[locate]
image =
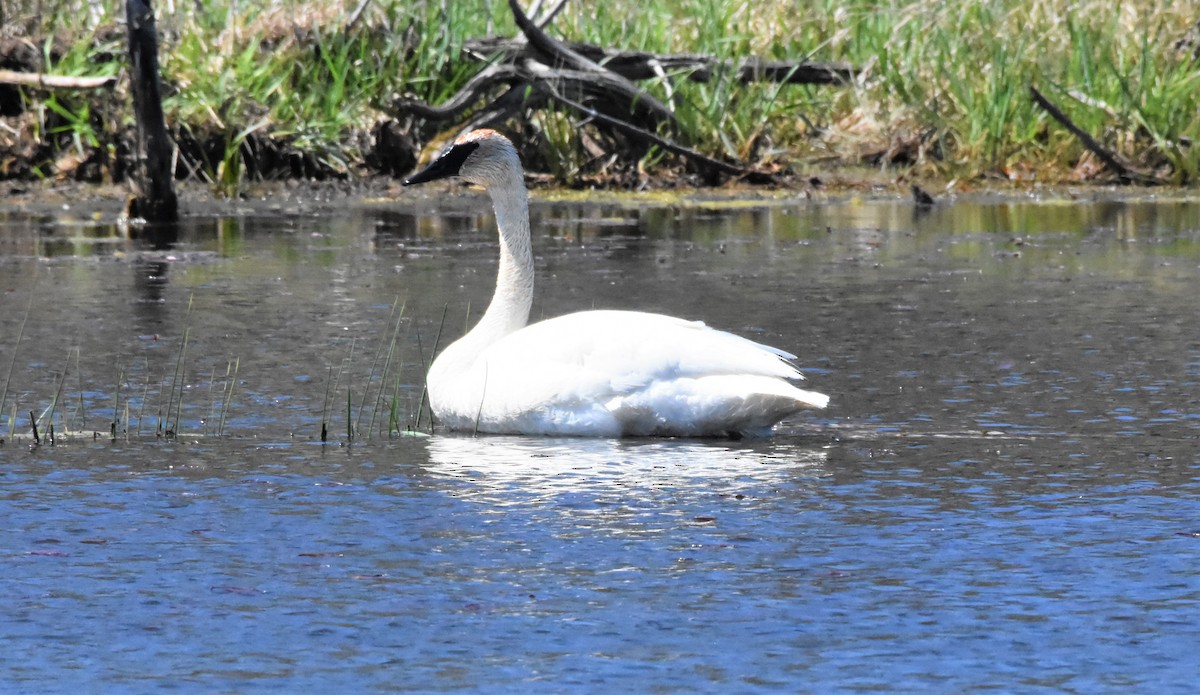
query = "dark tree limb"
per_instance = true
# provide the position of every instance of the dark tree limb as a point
(785, 72)
(579, 85)
(641, 103)
(474, 90)
(707, 163)
(640, 65)
(156, 201)
(1109, 158)
(518, 98)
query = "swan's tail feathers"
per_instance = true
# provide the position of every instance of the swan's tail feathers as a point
(783, 392)
(812, 398)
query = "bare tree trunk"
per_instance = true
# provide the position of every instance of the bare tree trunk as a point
(154, 190)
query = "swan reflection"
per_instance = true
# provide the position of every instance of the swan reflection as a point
(540, 466)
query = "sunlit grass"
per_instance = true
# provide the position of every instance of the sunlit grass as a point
(944, 87)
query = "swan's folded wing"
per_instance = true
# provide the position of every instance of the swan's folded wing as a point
(597, 355)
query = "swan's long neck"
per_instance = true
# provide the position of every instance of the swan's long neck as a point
(509, 310)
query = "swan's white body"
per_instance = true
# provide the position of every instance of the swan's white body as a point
(595, 373)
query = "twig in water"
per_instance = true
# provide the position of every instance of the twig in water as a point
(325, 404)
(33, 424)
(112, 428)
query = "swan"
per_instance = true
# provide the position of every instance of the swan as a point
(593, 373)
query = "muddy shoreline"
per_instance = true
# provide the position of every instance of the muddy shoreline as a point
(298, 197)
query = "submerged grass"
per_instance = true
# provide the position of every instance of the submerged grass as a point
(137, 391)
(51, 423)
(944, 87)
(391, 412)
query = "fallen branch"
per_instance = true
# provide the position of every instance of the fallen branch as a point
(474, 90)
(709, 163)
(640, 65)
(1109, 158)
(640, 102)
(597, 83)
(38, 79)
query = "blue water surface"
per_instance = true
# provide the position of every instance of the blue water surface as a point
(1004, 494)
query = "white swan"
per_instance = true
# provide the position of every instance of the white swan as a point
(592, 373)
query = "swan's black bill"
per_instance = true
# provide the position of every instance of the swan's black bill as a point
(447, 164)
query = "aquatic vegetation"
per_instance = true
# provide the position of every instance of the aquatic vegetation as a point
(59, 415)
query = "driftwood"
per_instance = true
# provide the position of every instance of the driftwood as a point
(1110, 159)
(37, 79)
(598, 84)
(156, 201)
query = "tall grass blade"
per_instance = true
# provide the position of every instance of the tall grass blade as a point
(371, 375)
(325, 404)
(62, 379)
(437, 339)
(237, 363)
(211, 419)
(116, 419)
(81, 413)
(387, 363)
(175, 402)
(17, 344)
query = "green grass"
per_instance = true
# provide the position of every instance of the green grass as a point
(945, 87)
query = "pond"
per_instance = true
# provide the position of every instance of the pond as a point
(1004, 492)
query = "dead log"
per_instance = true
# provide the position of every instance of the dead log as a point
(154, 195)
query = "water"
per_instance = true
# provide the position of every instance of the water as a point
(1003, 494)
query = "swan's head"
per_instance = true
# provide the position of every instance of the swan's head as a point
(482, 157)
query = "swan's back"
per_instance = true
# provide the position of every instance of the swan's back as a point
(619, 373)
